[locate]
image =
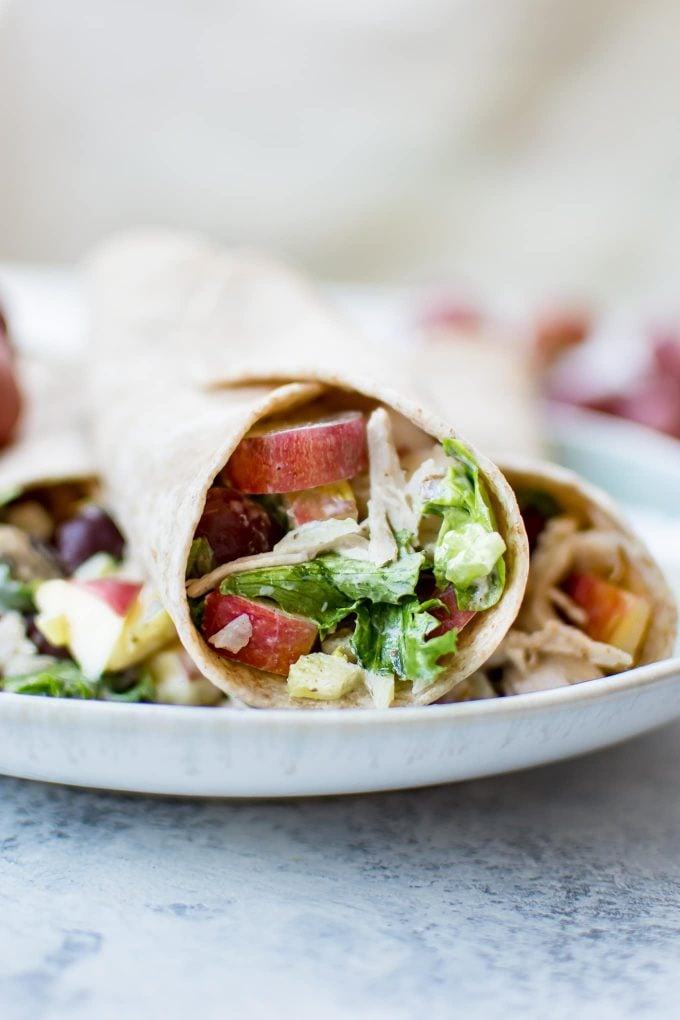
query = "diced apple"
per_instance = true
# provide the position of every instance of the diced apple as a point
(295, 456)
(148, 627)
(106, 624)
(321, 504)
(277, 640)
(451, 617)
(116, 593)
(178, 681)
(614, 616)
(10, 397)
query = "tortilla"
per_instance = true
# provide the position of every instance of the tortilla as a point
(50, 446)
(191, 347)
(595, 509)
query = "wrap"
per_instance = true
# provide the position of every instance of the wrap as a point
(596, 602)
(64, 631)
(192, 347)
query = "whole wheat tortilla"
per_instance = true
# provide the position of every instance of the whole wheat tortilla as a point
(191, 347)
(50, 446)
(594, 507)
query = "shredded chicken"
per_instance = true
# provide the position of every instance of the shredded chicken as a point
(25, 561)
(561, 549)
(18, 654)
(476, 687)
(555, 655)
(389, 509)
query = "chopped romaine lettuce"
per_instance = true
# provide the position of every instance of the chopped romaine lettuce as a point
(201, 558)
(64, 679)
(392, 640)
(132, 685)
(59, 680)
(469, 550)
(323, 677)
(328, 588)
(466, 553)
(15, 595)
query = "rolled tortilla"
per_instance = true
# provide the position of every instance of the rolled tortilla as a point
(50, 446)
(192, 347)
(587, 534)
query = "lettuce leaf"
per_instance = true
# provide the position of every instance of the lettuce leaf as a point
(201, 558)
(15, 596)
(63, 679)
(469, 549)
(132, 685)
(391, 639)
(330, 587)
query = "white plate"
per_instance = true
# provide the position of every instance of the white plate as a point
(231, 753)
(225, 752)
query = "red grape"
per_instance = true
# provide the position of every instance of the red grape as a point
(90, 531)
(236, 526)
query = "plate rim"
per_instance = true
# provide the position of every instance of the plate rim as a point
(642, 678)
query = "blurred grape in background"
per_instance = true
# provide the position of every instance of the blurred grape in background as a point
(526, 143)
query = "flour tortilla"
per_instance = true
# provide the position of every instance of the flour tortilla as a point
(191, 347)
(592, 506)
(50, 445)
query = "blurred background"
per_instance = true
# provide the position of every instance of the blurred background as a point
(515, 165)
(529, 144)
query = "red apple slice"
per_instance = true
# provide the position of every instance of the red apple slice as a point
(10, 398)
(614, 616)
(116, 593)
(321, 504)
(277, 640)
(236, 526)
(291, 457)
(451, 616)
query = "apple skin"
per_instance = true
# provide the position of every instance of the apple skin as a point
(118, 594)
(277, 641)
(10, 397)
(452, 616)
(288, 458)
(106, 624)
(614, 616)
(321, 504)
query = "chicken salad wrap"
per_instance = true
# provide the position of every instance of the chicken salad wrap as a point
(76, 618)
(318, 539)
(596, 603)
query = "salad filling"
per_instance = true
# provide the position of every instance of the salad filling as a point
(75, 621)
(335, 558)
(585, 613)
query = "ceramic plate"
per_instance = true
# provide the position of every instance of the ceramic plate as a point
(236, 753)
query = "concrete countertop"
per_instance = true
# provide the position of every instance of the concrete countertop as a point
(553, 893)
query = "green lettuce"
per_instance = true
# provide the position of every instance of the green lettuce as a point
(63, 679)
(330, 587)
(132, 685)
(15, 596)
(469, 550)
(201, 558)
(393, 639)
